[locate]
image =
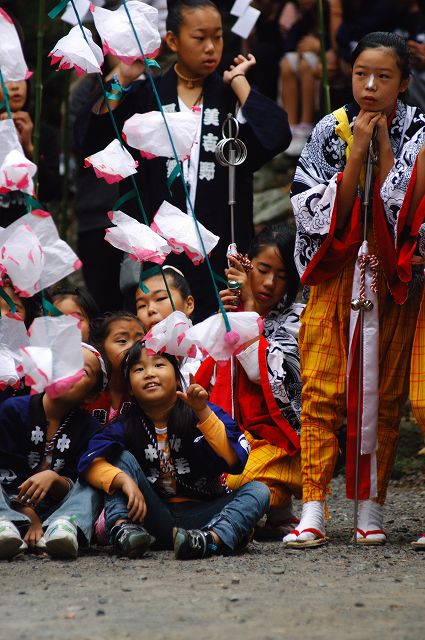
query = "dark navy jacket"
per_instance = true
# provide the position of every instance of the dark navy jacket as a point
(198, 468)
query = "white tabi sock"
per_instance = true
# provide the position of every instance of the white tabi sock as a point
(371, 518)
(312, 517)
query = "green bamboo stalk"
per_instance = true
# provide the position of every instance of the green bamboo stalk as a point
(66, 158)
(325, 81)
(38, 85)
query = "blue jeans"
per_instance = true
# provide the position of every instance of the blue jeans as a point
(83, 504)
(231, 516)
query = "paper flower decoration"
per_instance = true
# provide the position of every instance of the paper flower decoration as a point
(180, 231)
(21, 257)
(147, 132)
(113, 163)
(16, 173)
(168, 335)
(74, 52)
(58, 259)
(117, 35)
(83, 10)
(53, 359)
(138, 240)
(9, 140)
(13, 336)
(211, 336)
(12, 61)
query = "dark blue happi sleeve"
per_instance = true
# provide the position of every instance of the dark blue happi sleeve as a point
(107, 443)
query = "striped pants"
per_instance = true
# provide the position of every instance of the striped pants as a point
(323, 341)
(270, 464)
(417, 372)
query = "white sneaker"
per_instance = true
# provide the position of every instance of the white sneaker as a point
(10, 540)
(61, 540)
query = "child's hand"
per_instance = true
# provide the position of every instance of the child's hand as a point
(128, 73)
(24, 126)
(237, 273)
(35, 488)
(136, 504)
(242, 66)
(34, 533)
(230, 299)
(196, 396)
(364, 126)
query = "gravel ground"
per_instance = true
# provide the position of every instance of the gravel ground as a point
(266, 593)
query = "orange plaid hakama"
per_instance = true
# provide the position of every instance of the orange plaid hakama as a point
(323, 341)
(270, 464)
(417, 371)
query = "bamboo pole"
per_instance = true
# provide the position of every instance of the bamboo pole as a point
(38, 85)
(325, 81)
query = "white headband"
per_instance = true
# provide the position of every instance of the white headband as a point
(90, 347)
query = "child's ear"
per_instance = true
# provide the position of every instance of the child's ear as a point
(171, 41)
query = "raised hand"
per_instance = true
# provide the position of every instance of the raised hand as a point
(364, 126)
(241, 65)
(195, 396)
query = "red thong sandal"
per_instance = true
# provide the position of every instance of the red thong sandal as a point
(367, 541)
(319, 541)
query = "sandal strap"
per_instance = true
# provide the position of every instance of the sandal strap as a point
(365, 534)
(314, 531)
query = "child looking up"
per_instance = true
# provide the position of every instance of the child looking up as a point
(161, 467)
(114, 333)
(41, 441)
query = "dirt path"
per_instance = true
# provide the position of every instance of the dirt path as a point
(267, 593)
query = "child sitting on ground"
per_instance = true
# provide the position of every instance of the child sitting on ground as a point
(169, 453)
(41, 441)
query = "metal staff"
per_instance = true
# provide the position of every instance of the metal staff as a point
(362, 305)
(237, 154)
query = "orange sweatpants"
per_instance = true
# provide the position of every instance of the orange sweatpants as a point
(323, 341)
(270, 464)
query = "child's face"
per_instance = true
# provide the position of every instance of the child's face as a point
(122, 335)
(268, 279)
(153, 381)
(199, 44)
(377, 80)
(69, 307)
(154, 306)
(17, 91)
(4, 307)
(84, 389)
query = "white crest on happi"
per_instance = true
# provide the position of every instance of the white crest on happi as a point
(74, 51)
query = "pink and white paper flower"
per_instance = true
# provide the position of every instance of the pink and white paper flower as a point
(211, 336)
(117, 35)
(13, 336)
(12, 61)
(53, 360)
(138, 240)
(9, 140)
(58, 259)
(113, 163)
(147, 132)
(74, 52)
(169, 335)
(16, 173)
(180, 231)
(21, 257)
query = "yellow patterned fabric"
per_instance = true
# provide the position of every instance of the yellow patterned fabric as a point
(323, 342)
(417, 376)
(270, 464)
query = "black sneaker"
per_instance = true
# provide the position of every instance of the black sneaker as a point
(131, 540)
(191, 544)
